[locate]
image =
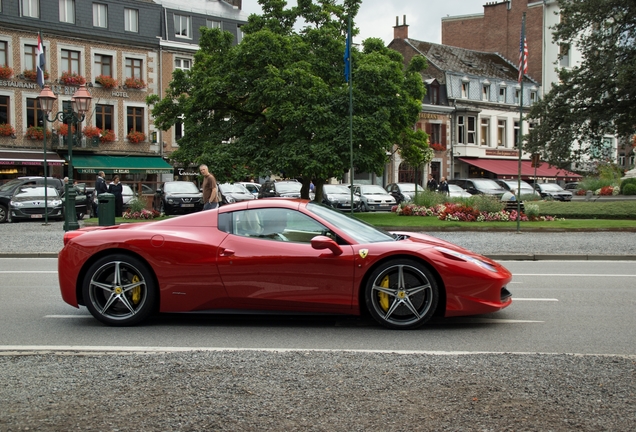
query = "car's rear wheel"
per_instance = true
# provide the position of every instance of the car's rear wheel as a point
(3, 214)
(401, 294)
(119, 290)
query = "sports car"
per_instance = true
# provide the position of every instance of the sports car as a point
(274, 256)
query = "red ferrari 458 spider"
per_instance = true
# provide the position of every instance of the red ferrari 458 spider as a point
(274, 255)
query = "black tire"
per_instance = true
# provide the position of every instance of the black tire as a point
(401, 294)
(80, 216)
(119, 290)
(3, 214)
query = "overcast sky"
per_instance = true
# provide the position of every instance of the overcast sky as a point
(377, 17)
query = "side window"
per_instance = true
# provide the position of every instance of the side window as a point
(277, 224)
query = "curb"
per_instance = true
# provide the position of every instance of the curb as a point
(544, 257)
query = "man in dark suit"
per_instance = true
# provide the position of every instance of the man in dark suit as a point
(100, 188)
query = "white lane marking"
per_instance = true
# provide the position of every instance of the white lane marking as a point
(572, 275)
(28, 272)
(534, 299)
(487, 321)
(68, 316)
(82, 349)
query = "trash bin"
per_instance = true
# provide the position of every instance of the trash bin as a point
(106, 209)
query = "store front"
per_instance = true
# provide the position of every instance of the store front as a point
(29, 163)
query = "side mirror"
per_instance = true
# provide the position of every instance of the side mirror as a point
(324, 242)
(158, 192)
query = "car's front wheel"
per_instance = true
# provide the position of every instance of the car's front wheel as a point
(401, 294)
(3, 214)
(119, 290)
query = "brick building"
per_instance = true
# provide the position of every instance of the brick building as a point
(471, 110)
(125, 50)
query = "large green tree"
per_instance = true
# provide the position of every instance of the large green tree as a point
(278, 102)
(597, 96)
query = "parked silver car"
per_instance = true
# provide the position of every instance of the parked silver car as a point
(526, 188)
(553, 191)
(374, 198)
(28, 202)
(338, 196)
(455, 191)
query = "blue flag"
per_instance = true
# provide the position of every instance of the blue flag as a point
(347, 57)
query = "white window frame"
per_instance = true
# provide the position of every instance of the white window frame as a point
(182, 26)
(485, 92)
(95, 71)
(100, 13)
(131, 20)
(564, 55)
(182, 60)
(67, 11)
(212, 23)
(465, 90)
(484, 129)
(502, 94)
(30, 8)
(471, 134)
(502, 125)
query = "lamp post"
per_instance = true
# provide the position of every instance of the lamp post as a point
(80, 103)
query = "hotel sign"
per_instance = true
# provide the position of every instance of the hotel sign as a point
(493, 152)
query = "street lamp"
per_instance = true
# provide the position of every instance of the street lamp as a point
(80, 105)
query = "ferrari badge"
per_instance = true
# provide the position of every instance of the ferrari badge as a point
(363, 253)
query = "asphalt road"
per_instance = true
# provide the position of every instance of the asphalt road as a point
(580, 307)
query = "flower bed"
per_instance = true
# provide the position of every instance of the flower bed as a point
(144, 214)
(464, 213)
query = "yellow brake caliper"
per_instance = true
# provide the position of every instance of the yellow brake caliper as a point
(384, 298)
(136, 291)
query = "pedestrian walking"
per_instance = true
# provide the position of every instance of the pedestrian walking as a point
(431, 184)
(210, 189)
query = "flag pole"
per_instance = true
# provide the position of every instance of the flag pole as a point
(523, 62)
(349, 76)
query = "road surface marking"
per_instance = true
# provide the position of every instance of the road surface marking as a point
(28, 272)
(535, 299)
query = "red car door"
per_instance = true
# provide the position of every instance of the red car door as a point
(283, 275)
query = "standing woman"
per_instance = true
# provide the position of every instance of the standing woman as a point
(116, 189)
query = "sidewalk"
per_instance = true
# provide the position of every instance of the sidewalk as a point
(32, 239)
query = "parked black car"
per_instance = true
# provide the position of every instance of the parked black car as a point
(553, 191)
(178, 197)
(283, 188)
(9, 188)
(475, 186)
(403, 191)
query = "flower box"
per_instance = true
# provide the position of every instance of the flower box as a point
(136, 137)
(438, 147)
(72, 79)
(36, 133)
(91, 131)
(6, 72)
(32, 75)
(6, 130)
(134, 83)
(106, 81)
(62, 129)
(108, 135)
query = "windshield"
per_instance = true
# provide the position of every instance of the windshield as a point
(36, 192)
(482, 184)
(512, 184)
(354, 228)
(233, 188)
(410, 187)
(454, 188)
(551, 187)
(10, 184)
(336, 189)
(288, 187)
(372, 190)
(180, 187)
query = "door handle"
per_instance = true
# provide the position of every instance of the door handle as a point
(227, 252)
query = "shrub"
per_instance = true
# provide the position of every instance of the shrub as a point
(136, 206)
(626, 182)
(6, 129)
(629, 189)
(427, 198)
(593, 183)
(486, 203)
(531, 210)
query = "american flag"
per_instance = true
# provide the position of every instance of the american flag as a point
(523, 56)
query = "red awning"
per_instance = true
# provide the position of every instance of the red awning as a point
(29, 158)
(509, 168)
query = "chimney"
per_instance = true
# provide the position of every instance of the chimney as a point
(400, 31)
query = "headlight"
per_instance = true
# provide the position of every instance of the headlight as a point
(55, 203)
(16, 204)
(229, 199)
(467, 258)
(170, 201)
